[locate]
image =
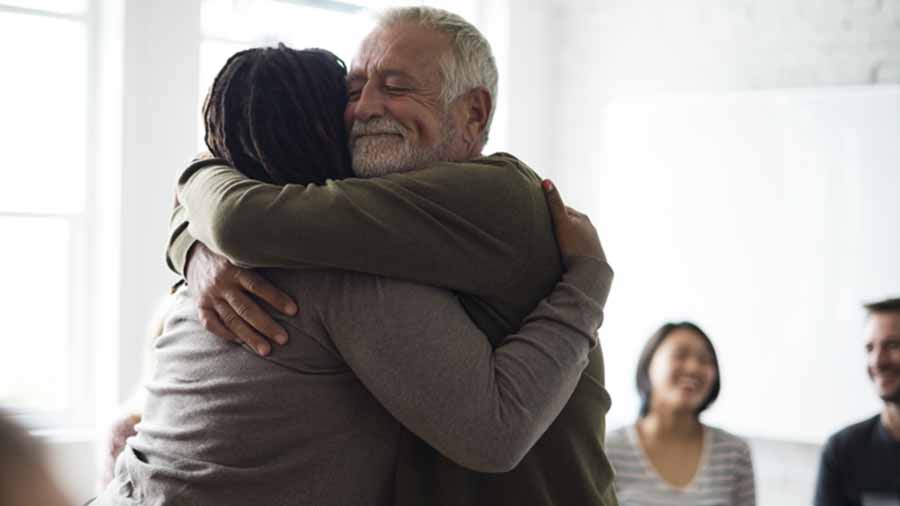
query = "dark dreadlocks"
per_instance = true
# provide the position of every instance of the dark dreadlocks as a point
(276, 115)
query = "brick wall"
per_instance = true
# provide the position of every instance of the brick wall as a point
(733, 44)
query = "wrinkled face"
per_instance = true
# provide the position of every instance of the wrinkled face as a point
(395, 115)
(883, 354)
(681, 371)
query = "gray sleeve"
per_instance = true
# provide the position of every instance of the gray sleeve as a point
(745, 483)
(419, 354)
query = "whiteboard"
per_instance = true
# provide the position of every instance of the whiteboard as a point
(766, 218)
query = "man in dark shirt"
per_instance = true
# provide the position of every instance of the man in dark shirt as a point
(860, 465)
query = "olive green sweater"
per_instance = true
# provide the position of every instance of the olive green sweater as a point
(480, 228)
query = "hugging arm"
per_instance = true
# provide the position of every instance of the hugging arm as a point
(417, 351)
(412, 226)
(465, 226)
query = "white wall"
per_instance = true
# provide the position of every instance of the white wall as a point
(764, 215)
(767, 218)
(160, 117)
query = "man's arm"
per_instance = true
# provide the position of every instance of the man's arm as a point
(417, 351)
(414, 226)
(470, 227)
(180, 240)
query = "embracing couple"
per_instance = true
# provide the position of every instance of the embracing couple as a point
(419, 327)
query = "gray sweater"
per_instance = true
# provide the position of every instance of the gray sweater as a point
(318, 421)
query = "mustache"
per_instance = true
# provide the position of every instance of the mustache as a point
(376, 126)
(884, 369)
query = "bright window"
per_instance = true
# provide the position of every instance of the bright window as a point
(44, 124)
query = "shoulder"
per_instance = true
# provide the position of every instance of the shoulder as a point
(624, 455)
(495, 169)
(851, 436)
(727, 445)
(722, 436)
(507, 163)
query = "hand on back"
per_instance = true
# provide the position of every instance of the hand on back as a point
(575, 234)
(225, 302)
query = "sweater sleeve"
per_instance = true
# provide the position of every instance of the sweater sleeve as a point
(745, 482)
(415, 226)
(180, 240)
(416, 350)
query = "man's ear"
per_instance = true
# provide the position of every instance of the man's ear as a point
(478, 105)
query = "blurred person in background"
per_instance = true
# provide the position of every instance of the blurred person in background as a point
(25, 479)
(669, 457)
(860, 465)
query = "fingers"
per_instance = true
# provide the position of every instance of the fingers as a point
(240, 329)
(554, 201)
(250, 313)
(226, 306)
(262, 288)
(211, 322)
(571, 211)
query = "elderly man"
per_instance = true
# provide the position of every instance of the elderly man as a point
(861, 464)
(421, 91)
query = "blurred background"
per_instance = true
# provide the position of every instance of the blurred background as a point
(738, 157)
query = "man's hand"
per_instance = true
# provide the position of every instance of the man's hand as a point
(224, 305)
(575, 234)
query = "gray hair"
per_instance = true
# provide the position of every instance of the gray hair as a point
(469, 65)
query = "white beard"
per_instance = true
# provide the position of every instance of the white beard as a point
(381, 146)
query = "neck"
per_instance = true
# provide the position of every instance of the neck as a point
(660, 423)
(890, 418)
(462, 153)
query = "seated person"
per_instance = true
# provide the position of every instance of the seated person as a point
(860, 465)
(321, 419)
(668, 457)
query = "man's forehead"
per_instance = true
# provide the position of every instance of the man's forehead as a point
(883, 325)
(403, 48)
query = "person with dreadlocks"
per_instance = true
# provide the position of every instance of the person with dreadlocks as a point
(420, 95)
(276, 115)
(327, 418)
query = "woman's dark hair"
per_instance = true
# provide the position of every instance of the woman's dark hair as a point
(643, 369)
(276, 115)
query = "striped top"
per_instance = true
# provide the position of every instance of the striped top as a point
(724, 476)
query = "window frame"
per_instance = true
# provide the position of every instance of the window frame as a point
(79, 387)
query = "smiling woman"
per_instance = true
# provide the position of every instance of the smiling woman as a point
(668, 456)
